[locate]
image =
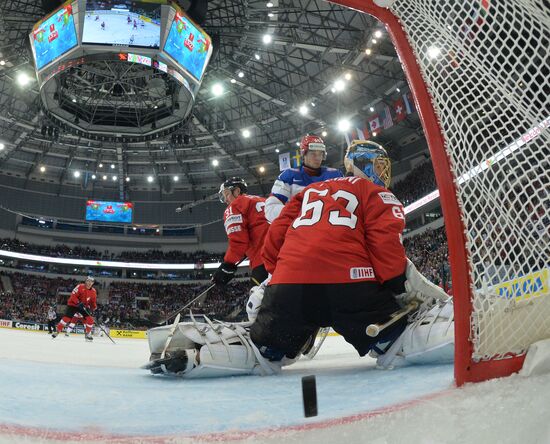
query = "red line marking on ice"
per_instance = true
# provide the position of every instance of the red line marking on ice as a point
(46, 434)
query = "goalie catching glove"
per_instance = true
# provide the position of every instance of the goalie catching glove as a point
(420, 289)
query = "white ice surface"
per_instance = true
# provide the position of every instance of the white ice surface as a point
(66, 390)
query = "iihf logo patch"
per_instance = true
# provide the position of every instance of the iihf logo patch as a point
(361, 273)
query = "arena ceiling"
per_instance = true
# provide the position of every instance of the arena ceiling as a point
(313, 44)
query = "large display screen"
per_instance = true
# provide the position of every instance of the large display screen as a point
(54, 36)
(102, 211)
(122, 22)
(188, 46)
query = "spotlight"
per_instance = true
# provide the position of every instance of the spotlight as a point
(76, 174)
(113, 166)
(128, 179)
(150, 179)
(42, 169)
(257, 56)
(262, 169)
(233, 81)
(324, 134)
(339, 85)
(23, 79)
(114, 178)
(277, 150)
(347, 76)
(267, 39)
(368, 51)
(94, 177)
(217, 89)
(104, 177)
(216, 162)
(176, 178)
(344, 125)
(433, 52)
(378, 34)
(303, 110)
(2, 146)
(240, 74)
(246, 133)
(100, 165)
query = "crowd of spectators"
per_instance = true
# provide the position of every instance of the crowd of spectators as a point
(135, 305)
(419, 182)
(429, 252)
(160, 300)
(31, 296)
(76, 252)
(130, 305)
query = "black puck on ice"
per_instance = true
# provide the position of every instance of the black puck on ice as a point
(309, 395)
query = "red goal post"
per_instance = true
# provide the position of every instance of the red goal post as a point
(482, 99)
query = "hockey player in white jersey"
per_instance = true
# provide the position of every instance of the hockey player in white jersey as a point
(213, 349)
(293, 180)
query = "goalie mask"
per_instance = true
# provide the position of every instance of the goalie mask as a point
(231, 184)
(369, 160)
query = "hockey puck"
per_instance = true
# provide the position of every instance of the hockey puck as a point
(309, 395)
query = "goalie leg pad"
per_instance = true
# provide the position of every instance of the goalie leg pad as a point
(427, 339)
(217, 349)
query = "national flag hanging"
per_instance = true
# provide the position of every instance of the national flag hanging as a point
(297, 160)
(478, 15)
(284, 161)
(374, 123)
(385, 117)
(361, 134)
(409, 106)
(348, 139)
(399, 111)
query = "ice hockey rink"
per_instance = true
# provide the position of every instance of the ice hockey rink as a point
(67, 390)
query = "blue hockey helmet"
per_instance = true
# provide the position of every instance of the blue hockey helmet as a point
(369, 160)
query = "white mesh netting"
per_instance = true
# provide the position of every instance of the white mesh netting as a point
(486, 64)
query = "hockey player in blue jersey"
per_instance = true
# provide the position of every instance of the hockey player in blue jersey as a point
(293, 180)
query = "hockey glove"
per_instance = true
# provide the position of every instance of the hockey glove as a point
(81, 308)
(421, 289)
(224, 273)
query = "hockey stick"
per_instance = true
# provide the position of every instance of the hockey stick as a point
(374, 330)
(177, 312)
(323, 333)
(100, 326)
(192, 300)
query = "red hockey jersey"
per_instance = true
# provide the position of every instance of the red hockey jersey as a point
(246, 227)
(339, 231)
(82, 294)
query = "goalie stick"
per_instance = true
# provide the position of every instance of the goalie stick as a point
(374, 330)
(314, 349)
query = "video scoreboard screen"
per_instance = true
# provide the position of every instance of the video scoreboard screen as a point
(103, 211)
(54, 36)
(123, 23)
(188, 45)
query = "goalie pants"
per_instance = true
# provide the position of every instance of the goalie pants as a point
(291, 313)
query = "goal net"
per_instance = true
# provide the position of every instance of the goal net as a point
(479, 71)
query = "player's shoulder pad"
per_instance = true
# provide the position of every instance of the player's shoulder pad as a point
(288, 174)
